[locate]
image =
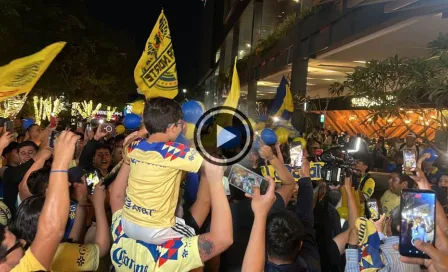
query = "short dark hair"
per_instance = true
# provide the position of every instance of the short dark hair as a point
(284, 233)
(12, 146)
(366, 161)
(29, 143)
(24, 225)
(103, 146)
(38, 181)
(159, 113)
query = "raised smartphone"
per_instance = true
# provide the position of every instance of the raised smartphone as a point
(372, 209)
(296, 154)
(409, 161)
(244, 179)
(418, 220)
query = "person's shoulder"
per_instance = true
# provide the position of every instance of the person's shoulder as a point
(29, 263)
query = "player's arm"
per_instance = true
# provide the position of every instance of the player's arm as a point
(53, 219)
(220, 236)
(117, 190)
(367, 190)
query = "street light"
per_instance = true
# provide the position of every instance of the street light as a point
(184, 90)
(207, 93)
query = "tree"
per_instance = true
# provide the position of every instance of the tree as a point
(97, 62)
(396, 86)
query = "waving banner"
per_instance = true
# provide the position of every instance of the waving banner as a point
(155, 73)
(20, 75)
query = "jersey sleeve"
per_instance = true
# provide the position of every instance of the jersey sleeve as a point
(179, 156)
(369, 188)
(28, 263)
(128, 149)
(76, 257)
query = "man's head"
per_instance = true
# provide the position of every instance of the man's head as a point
(284, 236)
(34, 132)
(443, 181)
(163, 115)
(25, 223)
(362, 165)
(102, 157)
(10, 249)
(254, 156)
(398, 182)
(410, 139)
(38, 181)
(27, 150)
(11, 154)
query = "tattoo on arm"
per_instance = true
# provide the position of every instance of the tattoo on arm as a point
(206, 248)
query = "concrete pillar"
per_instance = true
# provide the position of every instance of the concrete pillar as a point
(299, 74)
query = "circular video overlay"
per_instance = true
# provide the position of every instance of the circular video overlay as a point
(223, 136)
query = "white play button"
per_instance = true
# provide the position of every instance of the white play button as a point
(223, 136)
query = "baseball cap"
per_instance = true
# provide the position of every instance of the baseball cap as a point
(75, 174)
(10, 148)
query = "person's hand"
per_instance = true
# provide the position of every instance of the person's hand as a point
(64, 149)
(379, 224)
(438, 261)
(353, 236)
(348, 184)
(100, 133)
(304, 171)
(265, 151)
(277, 146)
(88, 134)
(421, 180)
(98, 196)
(261, 204)
(45, 135)
(213, 173)
(6, 139)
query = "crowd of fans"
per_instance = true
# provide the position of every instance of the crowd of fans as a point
(148, 214)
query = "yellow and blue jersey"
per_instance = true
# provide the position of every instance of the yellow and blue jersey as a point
(156, 171)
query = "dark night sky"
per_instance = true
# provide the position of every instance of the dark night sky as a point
(138, 17)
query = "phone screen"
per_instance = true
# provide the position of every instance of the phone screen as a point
(409, 161)
(417, 209)
(243, 179)
(296, 154)
(9, 126)
(53, 121)
(372, 205)
(92, 179)
(52, 139)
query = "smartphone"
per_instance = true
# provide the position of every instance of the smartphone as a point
(53, 121)
(296, 154)
(9, 126)
(92, 179)
(372, 209)
(88, 127)
(108, 127)
(409, 161)
(243, 179)
(418, 220)
(52, 138)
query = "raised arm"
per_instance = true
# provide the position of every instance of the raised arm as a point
(288, 182)
(220, 236)
(53, 219)
(102, 235)
(5, 140)
(254, 258)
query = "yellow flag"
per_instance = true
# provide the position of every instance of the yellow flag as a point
(234, 94)
(20, 75)
(289, 104)
(155, 73)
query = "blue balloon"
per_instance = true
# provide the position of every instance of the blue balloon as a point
(268, 136)
(27, 123)
(192, 111)
(433, 154)
(230, 138)
(182, 140)
(132, 121)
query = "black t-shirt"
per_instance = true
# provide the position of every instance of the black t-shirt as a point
(242, 219)
(11, 180)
